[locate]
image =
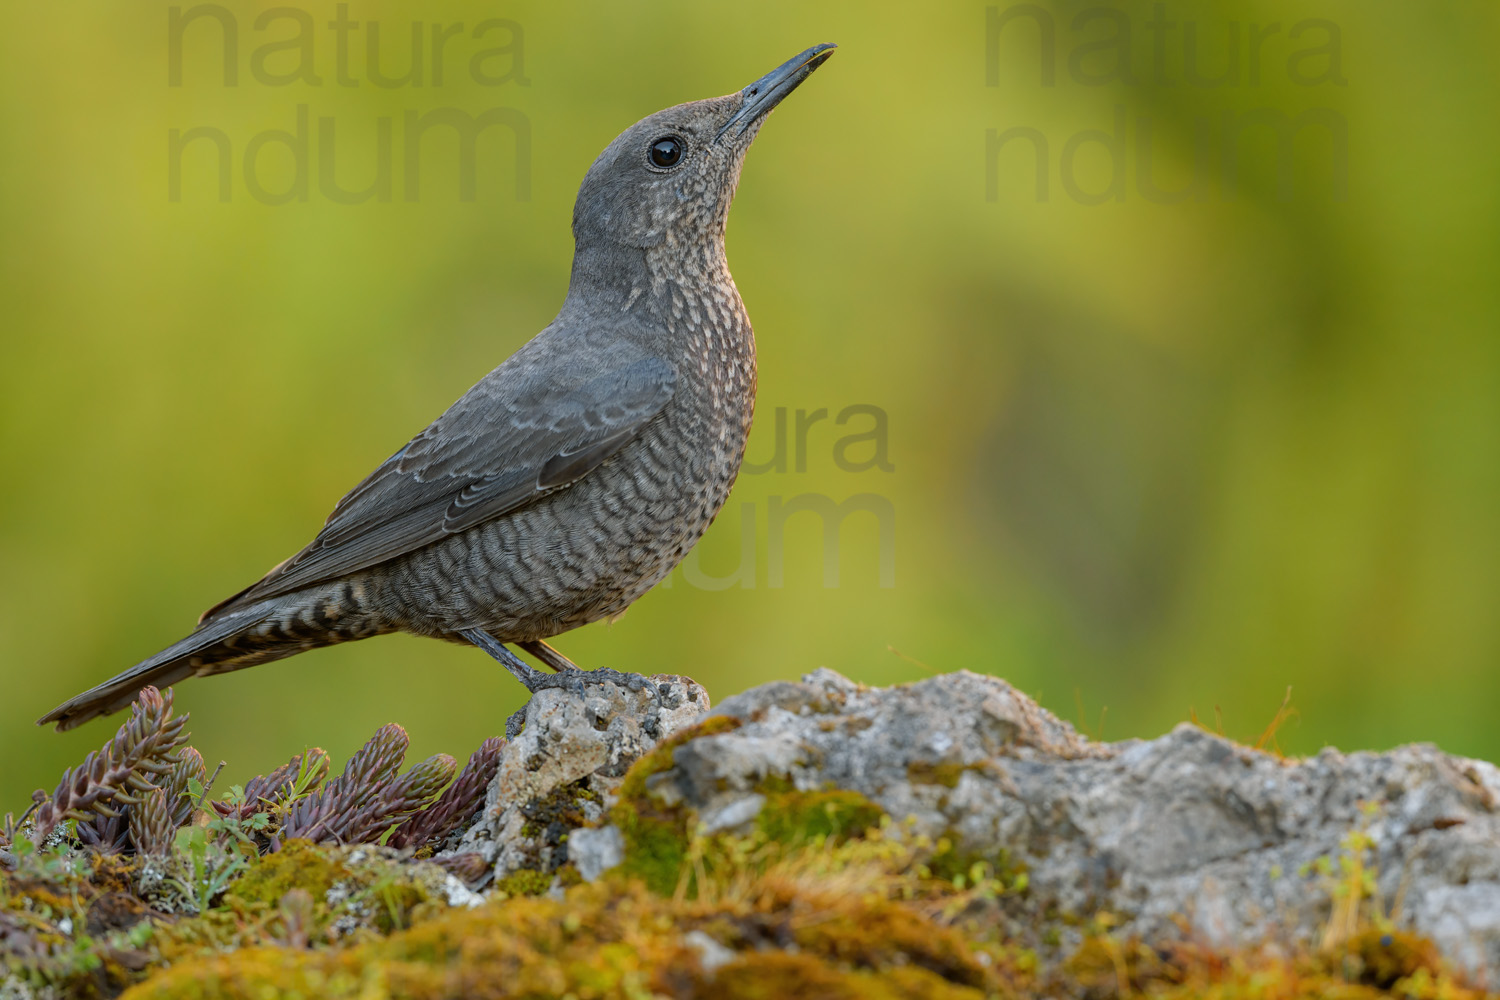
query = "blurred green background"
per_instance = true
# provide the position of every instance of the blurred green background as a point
(1154, 454)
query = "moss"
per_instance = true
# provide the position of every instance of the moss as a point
(553, 815)
(945, 773)
(1383, 958)
(300, 864)
(65, 930)
(655, 847)
(388, 904)
(843, 910)
(950, 863)
(792, 817)
(1105, 967)
(884, 934)
(343, 891)
(525, 882)
(776, 975)
(605, 941)
(1375, 965)
(824, 898)
(518, 948)
(656, 835)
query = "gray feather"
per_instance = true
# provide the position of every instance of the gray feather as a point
(503, 445)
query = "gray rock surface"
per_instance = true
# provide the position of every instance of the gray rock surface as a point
(566, 764)
(1187, 833)
(1188, 825)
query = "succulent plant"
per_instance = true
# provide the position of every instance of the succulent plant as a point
(121, 771)
(106, 834)
(151, 828)
(398, 799)
(188, 769)
(141, 794)
(368, 798)
(458, 804)
(266, 792)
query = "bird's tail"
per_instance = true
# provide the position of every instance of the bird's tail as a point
(263, 632)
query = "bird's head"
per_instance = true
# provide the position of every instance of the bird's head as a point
(671, 176)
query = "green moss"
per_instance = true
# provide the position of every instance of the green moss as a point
(792, 817)
(655, 847)
(567, 876)
(1384, 958)
(549, 819)
(824, 898)
(1374, 964)
(656, 835)
(342, 890)
(388, 904)
(950, 863)
(525, 882)
(836, 909)
(300, 864)
(882, 934)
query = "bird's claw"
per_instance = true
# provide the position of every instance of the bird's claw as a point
(575, 681)
(572, 680)
(515, 723)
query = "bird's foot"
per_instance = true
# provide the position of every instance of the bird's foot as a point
(572, 680)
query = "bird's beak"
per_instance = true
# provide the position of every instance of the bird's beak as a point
(764, 94)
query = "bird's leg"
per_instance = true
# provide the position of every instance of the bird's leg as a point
(548, 655)
(518, 668)
(574, 680)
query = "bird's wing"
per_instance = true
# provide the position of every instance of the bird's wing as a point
(536, 424)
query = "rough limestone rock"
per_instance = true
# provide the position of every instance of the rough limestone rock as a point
(565, 766)
(1188, 833)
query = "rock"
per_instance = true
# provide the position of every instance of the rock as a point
(596, 850)
(558, 774)
(711, 954)
(1187, 833)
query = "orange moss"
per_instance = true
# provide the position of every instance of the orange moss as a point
(777, 975)
(610, 941)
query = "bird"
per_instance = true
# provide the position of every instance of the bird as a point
(574, 476)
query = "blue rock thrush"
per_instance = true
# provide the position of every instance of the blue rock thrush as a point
(573, 477)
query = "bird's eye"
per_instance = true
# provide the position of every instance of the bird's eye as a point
(666, 151)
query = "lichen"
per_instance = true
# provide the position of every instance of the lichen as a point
(550, 818)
